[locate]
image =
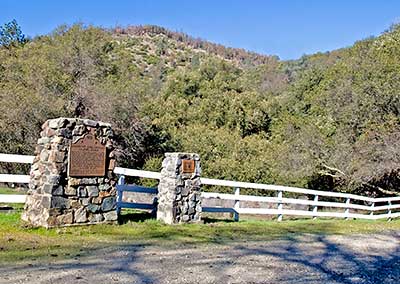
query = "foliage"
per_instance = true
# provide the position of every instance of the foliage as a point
(327, 121)
(11, 35)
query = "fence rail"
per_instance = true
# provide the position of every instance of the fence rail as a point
(344, 205)
(122, 187)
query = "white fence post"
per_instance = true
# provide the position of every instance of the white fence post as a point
(280, 206)
(390, 210)
(237, 205)
(347, 211)
(121, 181)
(372, 209)
(315, 208)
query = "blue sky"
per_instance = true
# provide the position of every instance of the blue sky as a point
(285, 28)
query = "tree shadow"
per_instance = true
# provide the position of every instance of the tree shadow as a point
(103, 265)
(333, 262)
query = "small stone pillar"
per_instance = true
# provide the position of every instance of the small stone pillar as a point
(179, 194)
(72, 179)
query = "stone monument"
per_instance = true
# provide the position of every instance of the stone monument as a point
(72, 178)
(179, 199)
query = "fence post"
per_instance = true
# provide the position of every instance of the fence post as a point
(372, 209)
(237, 205)
(347, 211)
(390, 210)
(315, 208)
(280, 206)
(121, 181)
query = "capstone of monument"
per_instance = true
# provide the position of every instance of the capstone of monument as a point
(72, 179)
(179, 190)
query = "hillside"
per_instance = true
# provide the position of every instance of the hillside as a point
(324, 121)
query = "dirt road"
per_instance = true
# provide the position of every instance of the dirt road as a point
(301, 259)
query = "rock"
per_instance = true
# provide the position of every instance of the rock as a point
(57, 123)
(82, 192)
(43, 141)
(60, 202)
(59, 190)
(53, 179)
(104, 187)
(44, 155)
(185, 191)
(97, 200)
(89, 122)
(104, 194)
(69, 190)
(81, 215)
(79, 130)
(65, 219)
(89, 181)
(57, 140)
(84, 201)
(93, 208)
(64, 132)
(108, 204)
(104, 124)
(92, 191)
(56, 156)
(191, 210)
(110, 216)
(47, 188)
(95, 218)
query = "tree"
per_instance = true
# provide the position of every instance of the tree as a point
(11, 35)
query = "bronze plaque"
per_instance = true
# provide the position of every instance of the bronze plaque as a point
(187, 166)
(87, 157)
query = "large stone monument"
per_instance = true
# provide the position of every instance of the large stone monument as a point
(72, 179)
(179, 199)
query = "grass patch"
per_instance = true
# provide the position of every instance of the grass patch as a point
(7, 190)
(19, 243)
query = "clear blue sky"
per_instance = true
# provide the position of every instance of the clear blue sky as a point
(285, 28)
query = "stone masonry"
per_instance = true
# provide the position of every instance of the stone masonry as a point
(57, 199)
(179, 199)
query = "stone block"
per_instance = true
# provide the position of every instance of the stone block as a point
(82, 192)
(109, 203)
(97, 200)
(58, 191)
(93, 208)
(65, 219)
(44, 155)
(81, 215)
(60, 202)
(84, 201)
(69, 190)
(92, 191)
(91, 123)
(95, 218)
(75, 204)
(110, 216)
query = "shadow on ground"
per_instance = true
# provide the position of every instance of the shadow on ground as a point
(299, 259)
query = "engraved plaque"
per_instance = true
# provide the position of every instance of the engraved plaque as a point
(187, 166)
(87, 157)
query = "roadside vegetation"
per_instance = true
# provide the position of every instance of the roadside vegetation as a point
(327, 121)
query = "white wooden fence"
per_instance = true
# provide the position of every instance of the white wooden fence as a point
(344, 205)
(14, 179)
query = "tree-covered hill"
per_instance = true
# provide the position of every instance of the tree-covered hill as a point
(326, 121)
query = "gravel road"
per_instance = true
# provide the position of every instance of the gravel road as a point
(301, 259)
